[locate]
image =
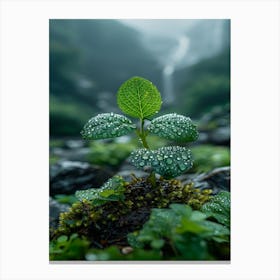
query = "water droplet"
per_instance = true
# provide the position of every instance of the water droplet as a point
(142, 163)
(169, 161)
(182, 166)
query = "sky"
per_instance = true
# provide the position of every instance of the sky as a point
(161, 27)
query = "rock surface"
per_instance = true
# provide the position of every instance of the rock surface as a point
(55, 209)
(218, 179)
(68, 176)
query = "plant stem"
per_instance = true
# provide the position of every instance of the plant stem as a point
(142, 135)
(152, 179)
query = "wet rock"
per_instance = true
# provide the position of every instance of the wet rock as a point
(218, 179)
(74, 144)
(68, 176)
(55, 209)
(220, 136)
(77, 154)
(214, 127)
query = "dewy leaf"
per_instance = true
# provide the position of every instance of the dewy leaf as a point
(219, 208)
(107, 125)
(112, 190)
(188, 231)
(166, 161)
(139, 98)
(174, 127)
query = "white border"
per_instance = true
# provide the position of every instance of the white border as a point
(255, 138)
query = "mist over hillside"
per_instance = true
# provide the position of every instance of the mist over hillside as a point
(90, 59)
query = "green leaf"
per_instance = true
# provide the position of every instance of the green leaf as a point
(62, 239)
(187, 225)
(219, 208)
(166, 161)
(108, 125)
(157, 244)
(181, 210)
(65, 199)
(112, 190)
(216, 231)
(198, 216)
(73, 248)
(174, 127)
(133, 241)
(139, 98)
(180, 229)
(191, 247)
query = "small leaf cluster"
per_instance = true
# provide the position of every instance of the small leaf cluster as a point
(219, 208)
(68, 248)
(183, 232)
(112, 190)
(139, 98)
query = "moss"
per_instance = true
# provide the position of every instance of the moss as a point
(111, 222)
(53, 159)
(207, 157)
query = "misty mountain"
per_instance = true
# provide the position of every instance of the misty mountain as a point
(89, 60)
(95, 55)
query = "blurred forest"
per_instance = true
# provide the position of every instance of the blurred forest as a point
(188, 60)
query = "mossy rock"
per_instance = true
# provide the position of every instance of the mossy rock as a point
(110, 223)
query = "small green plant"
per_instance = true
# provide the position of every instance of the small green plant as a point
(139, 98)
(181, 232)
(68, 248)
(153, 218)
(172, 231)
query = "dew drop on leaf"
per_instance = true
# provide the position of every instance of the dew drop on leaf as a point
(182, 166)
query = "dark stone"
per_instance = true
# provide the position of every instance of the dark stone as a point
(218, 179)
(74, 144)
(68, 176)
(220, 136)
(55, 209)
(77, 154)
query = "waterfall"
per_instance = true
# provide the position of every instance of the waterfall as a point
(173, 61)
(167, 75)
